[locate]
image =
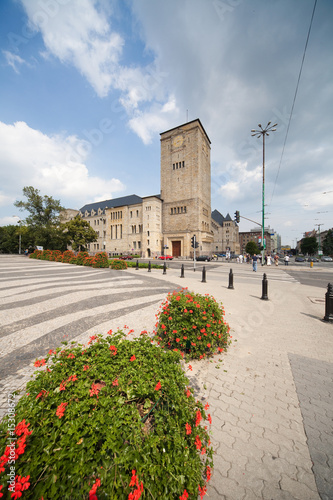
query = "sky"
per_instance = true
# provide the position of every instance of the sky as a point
(87, 86)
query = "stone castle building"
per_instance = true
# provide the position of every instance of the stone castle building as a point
(165, 223)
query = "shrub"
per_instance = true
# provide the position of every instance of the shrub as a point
(118, 264)
(35, 255)
(101, 260)
(46, 255)
(89, 261)
(67, 256)
(81, 256)
(116, 419)
(55, 254)
(193, 323)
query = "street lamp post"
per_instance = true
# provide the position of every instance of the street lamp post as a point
(262, 132)
(20, 235)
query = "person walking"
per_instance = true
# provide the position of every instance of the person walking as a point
(286, 260)
(254, 263)
(276, 259)
(269, 260)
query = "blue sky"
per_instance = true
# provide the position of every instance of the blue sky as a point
(87, 87)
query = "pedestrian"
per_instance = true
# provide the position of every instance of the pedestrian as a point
(286, 260)
(276, 259)
(269, 260)
(241, 258)
(254, 263)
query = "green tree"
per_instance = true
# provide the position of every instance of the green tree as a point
(251, 248)
(328, 243)
(309, 245)
(43, 219)
(79, 233)
(10, 237)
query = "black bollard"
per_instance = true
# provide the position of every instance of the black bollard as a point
(182, 271)
(264, 288)
(329, 304)
(149, 267)
(231, 280)
(164, 268)
(137, 265)
(203, 275)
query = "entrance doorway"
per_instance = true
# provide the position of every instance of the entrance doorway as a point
(176, 248)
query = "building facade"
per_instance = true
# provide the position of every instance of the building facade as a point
(255, 235)
(165, 223)
(226, 234)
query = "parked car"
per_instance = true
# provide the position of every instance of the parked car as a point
(205, 258)
(313, 259)
(165, 257)
(126, 257)
(299, 259)
(326, 259)
(221, 254)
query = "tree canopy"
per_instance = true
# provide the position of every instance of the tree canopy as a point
(251, 248)
(328, 243)
(79, 233)
(309, 245)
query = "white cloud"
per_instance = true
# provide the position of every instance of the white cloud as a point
(53, 164)
(13, 60)
(76, 33)
(150, 123)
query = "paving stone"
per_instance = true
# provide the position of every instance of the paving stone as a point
(297, 489)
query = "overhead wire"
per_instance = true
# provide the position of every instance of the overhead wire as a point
(294, 100)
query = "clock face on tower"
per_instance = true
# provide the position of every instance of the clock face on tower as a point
(177, 141)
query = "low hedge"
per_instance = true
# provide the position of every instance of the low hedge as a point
(116, 419)
(82, 258)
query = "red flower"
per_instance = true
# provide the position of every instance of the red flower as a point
(94, 390)
(209, 418)
(208, 473)
(1, 494)
(71, 355)
(202, 491)
(42, 393)
(109, 332)
(113, 350)
(177, 340)
(115, 382)
(208, 345)
(39, 362)
(198, 418)
(197, 443)
(93, 490)
(206, 406)
(188, 393)
(22, 428)
(188, 428)
(85, 368)
(61, 410)
(133, 358)
(190, 367)
(163, 327)
(203, 451)
(184, 496)
(158, 386)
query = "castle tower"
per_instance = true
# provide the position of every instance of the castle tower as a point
(186, 189)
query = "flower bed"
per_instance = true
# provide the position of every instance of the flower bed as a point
(83, 258)
(192, 323)
(118, 264)
(115, 419)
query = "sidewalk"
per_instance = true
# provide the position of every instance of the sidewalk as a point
(270, 398)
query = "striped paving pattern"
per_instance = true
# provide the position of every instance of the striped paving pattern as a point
(45, 303)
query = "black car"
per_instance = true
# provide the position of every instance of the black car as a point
(204, 258)
(299, 259)
(313, 259)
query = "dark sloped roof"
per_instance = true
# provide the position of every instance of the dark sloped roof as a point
(132, 199)
(228, 218)
(218, 217)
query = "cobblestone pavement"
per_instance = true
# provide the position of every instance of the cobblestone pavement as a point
(45, 303)
(270, 397)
